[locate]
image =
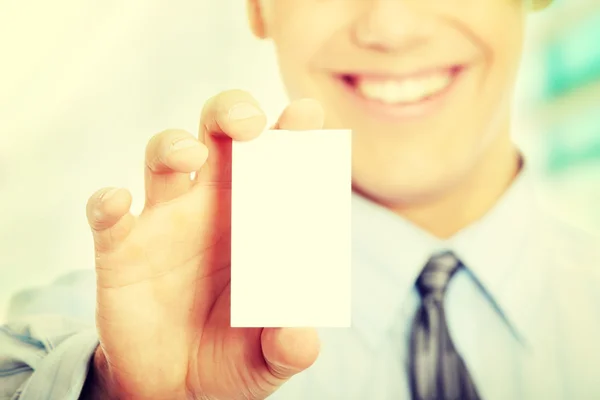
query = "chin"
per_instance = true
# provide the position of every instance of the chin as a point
(393, 190)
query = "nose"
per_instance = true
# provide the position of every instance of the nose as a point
(390, 25)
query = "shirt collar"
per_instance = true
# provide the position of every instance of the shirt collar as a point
(384, 271)
(389, 253)
(496, 247)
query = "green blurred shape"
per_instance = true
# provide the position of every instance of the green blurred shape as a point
(575, 141)
(573, 60)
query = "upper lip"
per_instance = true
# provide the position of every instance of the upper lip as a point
(387, 75)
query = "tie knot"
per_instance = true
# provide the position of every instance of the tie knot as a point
(437, 274)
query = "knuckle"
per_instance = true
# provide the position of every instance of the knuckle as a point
(279, 372)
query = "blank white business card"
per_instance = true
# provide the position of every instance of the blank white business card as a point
(290, 233)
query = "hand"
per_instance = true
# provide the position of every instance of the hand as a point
(163, 277)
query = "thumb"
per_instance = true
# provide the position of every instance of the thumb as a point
(288, 351)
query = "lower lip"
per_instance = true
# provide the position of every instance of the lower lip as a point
(396, 112)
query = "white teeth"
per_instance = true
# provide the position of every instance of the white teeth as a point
(404, 91)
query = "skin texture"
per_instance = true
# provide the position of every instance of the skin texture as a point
(426, 169)
(164, 277)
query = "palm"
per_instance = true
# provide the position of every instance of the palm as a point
(177, 268)
(164, 280)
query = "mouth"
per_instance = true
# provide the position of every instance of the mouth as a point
(408, 95)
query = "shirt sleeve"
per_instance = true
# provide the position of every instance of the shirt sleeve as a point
(45, 357)
(48, 343)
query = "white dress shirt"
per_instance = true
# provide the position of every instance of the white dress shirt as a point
(524, 313)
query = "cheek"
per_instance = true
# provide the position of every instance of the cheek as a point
(302, 32)
(296, 33)
(497, 78)
(294, 57)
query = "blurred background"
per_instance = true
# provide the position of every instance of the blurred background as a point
(84, 84)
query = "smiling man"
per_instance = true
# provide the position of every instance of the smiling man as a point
(463, 287)
(426, 89)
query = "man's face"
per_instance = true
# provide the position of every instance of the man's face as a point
(424, 85)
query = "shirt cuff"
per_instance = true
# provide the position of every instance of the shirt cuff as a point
(62, 373)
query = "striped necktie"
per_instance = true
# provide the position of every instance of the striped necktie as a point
(437, 372)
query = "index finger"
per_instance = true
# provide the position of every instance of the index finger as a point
(230, 115)
(234, 114)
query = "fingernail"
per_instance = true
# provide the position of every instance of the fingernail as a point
(184, 144)
(108, 194)
(99, 210)
(243, 111)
